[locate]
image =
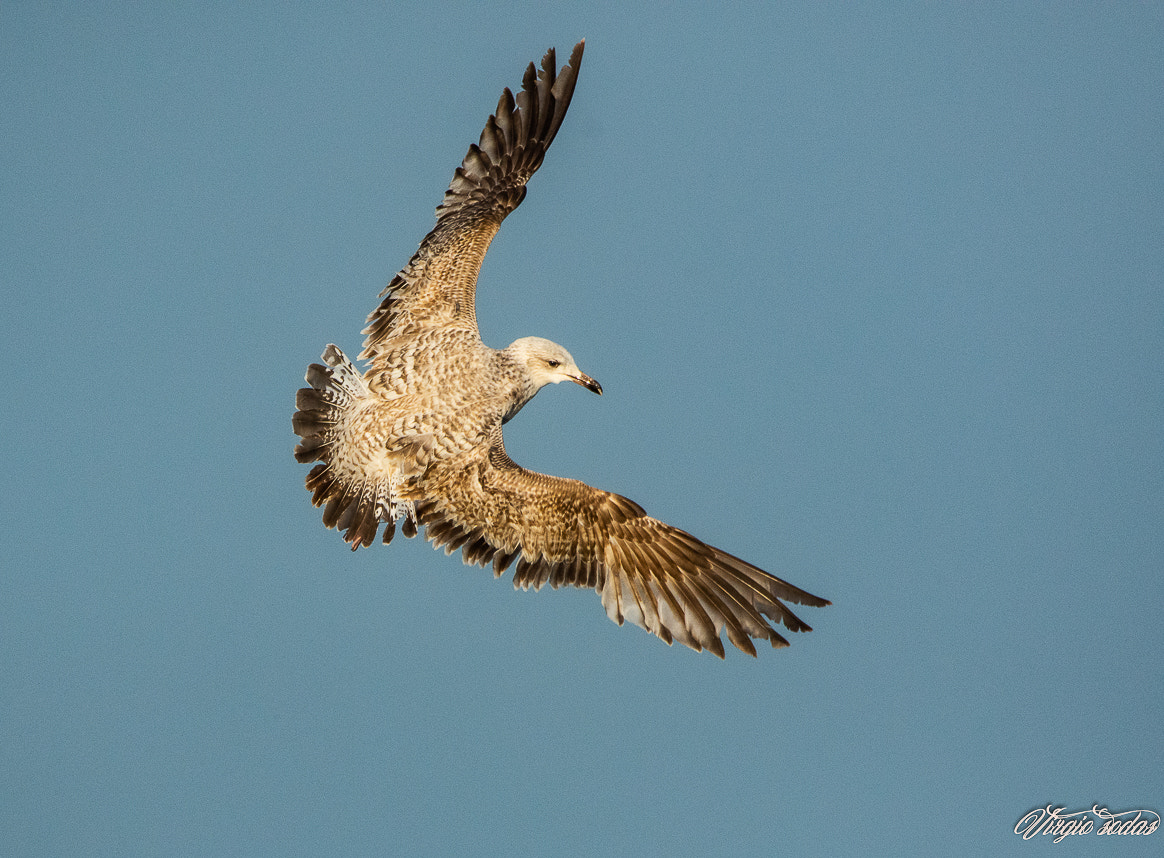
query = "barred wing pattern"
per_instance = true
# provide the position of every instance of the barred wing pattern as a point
(564, 532)
(436, 288)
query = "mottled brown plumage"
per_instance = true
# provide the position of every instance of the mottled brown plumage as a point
(417, 438)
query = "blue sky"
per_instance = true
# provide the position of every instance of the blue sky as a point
(874, 292)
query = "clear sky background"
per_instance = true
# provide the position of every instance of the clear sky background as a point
(876, 294)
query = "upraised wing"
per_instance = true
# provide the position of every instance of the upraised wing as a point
(566, 533)
(436, 288)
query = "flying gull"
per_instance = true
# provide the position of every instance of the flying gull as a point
(417, 438)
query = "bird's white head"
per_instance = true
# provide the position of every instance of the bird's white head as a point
(547, 362)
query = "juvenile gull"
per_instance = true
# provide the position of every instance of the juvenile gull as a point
(417, 438)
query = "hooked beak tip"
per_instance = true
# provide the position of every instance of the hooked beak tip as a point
(589, 383)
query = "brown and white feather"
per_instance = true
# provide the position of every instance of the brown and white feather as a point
(563, 532)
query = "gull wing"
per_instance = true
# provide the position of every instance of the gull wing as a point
(566, 533)
(436, 288)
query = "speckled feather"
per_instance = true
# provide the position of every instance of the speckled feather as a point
(418, 437)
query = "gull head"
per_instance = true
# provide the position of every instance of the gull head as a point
(548, 363)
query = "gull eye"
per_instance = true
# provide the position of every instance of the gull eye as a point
(554, 364)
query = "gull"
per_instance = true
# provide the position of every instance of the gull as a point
(417, 437)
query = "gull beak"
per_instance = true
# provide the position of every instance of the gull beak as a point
(587, 382)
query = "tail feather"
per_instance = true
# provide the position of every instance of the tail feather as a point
(353, 503)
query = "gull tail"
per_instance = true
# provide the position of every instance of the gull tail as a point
(355, 498)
